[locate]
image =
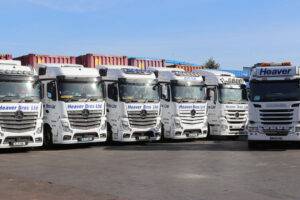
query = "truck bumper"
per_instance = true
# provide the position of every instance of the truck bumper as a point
(138, 135)
(21, 141)
(256, 136)
(82, 137)
(189, 132)
(231, 130)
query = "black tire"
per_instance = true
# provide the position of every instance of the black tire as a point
(109, 134)
(253, 144)
(48, 138)
(208, 137)
(162, 136)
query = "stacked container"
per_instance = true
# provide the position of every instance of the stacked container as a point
(187, 68)
(33, 59)
(144, 63)
(93, 60)
(5, 57)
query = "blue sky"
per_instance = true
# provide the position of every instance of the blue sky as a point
(235, 32)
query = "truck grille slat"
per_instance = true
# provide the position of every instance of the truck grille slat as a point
(9, 122)
(79, 121)
(187, 118)
(276, 116)
(137, 120)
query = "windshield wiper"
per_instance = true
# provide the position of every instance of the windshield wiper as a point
(91, 99)
(26, 99)
(76, 98)
(7, 98)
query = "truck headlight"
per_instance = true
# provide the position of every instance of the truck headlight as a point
(177, 122)
(103, 127)
(125, 123)
(65, 126)
(39, 130)
(223, 127)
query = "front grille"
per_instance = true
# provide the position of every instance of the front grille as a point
(9, 122)
(236, 116)
(276, 116)
(189, 119)
(78, 120)
(136, 120)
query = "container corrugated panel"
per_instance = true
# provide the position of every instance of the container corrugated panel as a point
(93, 60)
(144, 63)
(186, 67)
(34, 59)
(5, 57)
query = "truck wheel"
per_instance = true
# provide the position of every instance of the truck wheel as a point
(48, 139)
(109, 134)
(208, 132)
(253, 144)
(162, 137)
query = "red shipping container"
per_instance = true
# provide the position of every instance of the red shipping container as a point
(144, 63)
(186, 67)
(5, 57)
(93, 60)
(33, 59)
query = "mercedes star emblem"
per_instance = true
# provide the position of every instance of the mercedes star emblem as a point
(85, 113)
(143, 114)
(19, 115)
(193, 113)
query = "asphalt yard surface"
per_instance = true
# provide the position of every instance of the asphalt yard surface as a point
(170, 171)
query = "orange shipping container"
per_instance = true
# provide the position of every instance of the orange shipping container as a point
(186, 67)
(93, 60)
(5, 57)
(33, 59)
(144, 63)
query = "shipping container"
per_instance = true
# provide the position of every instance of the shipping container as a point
(187, 68)
(5, 57)
(144, 63)
(34, 59)
(93, 60)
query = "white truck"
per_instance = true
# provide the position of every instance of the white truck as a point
(227, 103)
(21, 111)
(133, 107)
(74, 105)
(183, 103)
(274, 113)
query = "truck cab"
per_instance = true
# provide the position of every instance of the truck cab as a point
(21, 112)
(133, 107)
(274, 113)
(227, 103)
(183, 103)
(73, 103)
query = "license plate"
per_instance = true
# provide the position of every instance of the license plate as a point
(19, 144)
(143, 138)
(275, 138)
(86, 139)
(193, 135)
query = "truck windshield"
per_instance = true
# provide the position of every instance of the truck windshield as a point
(268, 91)
(80, 91)
(232, 95)
(184, 93)
(138, 92)
(19, 91)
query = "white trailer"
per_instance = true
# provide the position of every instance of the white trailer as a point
(132, 103)
(21, 111)
(274, 103)
(73, 103)
(183, 103)
(227, 103)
